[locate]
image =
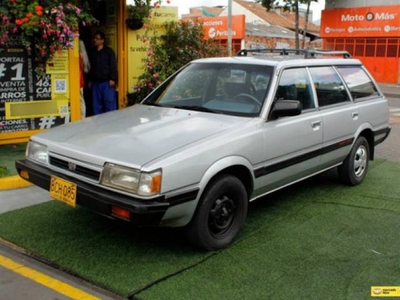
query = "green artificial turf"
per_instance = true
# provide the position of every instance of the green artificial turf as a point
(8, 155)
(315, 240)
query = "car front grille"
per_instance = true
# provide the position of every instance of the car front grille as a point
(86, 172)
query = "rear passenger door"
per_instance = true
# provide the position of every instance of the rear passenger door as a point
(340, 115)
(371, 104)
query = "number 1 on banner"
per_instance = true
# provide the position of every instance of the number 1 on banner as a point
(18, 74)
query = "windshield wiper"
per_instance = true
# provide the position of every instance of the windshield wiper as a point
(197, 108)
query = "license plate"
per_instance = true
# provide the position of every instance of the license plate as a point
(63, 190)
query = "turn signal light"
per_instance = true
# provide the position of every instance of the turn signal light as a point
(24, 174)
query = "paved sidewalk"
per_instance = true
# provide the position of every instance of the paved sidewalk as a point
(22, 197)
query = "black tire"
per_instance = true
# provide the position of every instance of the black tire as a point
(220, 214)
(354, 168)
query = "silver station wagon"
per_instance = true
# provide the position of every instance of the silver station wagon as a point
(219, 133)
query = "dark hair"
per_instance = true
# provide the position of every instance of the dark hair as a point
(101, 34)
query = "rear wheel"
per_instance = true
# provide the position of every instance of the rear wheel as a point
(355, 166)
(220, 214)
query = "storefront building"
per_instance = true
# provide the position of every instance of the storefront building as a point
(32, 102)
(369, 33)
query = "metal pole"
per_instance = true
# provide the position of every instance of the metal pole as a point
(230, 27)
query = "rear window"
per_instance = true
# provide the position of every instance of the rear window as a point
(358, 82)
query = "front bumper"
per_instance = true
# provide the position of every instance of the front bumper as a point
(142, 212)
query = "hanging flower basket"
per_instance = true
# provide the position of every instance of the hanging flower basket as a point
(134, 24)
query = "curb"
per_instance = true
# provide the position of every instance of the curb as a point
(391, 94)
(13, 182)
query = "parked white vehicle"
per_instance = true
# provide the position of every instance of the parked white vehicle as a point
(219, 133)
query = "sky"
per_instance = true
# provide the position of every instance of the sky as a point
(183, 5)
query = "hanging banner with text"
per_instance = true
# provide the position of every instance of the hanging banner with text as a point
(138, 41)
(26, 101)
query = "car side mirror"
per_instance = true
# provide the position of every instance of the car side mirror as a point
(285, 108)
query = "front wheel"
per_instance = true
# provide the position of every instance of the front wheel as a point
(220, 214)
(355, 166)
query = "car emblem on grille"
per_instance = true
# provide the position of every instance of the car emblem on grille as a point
(71, 166)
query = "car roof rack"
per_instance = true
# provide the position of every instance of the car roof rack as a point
(308, 53)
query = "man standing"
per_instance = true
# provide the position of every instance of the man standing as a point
(103, 76)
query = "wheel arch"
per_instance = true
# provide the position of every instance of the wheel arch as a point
(235, 166)
(369, 136)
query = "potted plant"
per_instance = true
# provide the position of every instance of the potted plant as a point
(138, 13)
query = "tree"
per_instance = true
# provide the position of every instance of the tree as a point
(292, 5)
(308, 2)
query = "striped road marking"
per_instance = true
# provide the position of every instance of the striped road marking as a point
(45, 280)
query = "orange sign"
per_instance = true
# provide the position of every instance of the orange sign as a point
(217, 27)
(377, 21)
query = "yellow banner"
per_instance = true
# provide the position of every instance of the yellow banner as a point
(59, 87)
(385, 291)
(59, 63)
(36, 109)
(138, 42)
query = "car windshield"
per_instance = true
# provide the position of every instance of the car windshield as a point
(234, 89)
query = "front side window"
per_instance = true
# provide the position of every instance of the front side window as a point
(294, 84)
(358, 82)
(224, 88)
(328, 85)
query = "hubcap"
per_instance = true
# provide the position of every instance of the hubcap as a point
(360, 161)
(222, 215)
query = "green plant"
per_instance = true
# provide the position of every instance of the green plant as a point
(3, 171)
(140, 10)
(43, 26)
(181, 43)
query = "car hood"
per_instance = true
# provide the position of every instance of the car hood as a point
(135, 135)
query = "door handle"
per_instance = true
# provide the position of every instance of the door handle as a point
(315, 124)
(354, 115)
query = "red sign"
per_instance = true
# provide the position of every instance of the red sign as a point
(217, 27)
(373, 21)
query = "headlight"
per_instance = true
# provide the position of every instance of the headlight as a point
(37, 152)
(130, 180)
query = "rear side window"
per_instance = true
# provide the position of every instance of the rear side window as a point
(358, 82)
(328, 85)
